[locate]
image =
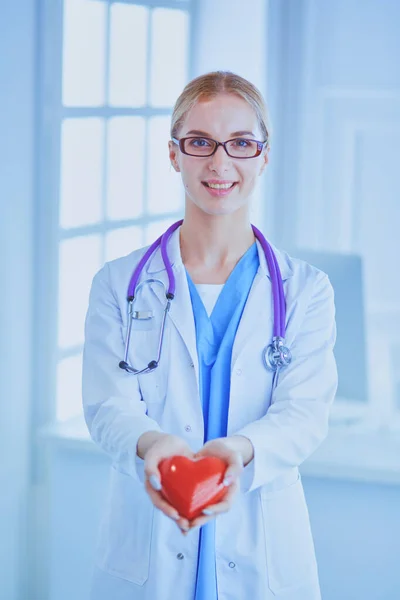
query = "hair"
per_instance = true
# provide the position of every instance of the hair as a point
(211, 84)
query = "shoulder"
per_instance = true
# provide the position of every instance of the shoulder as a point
(309, 293)
(116, 274)
(299, 272)
(125, 264)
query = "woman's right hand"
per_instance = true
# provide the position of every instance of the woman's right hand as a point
(153, 447)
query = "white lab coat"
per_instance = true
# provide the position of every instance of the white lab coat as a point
(264, 545)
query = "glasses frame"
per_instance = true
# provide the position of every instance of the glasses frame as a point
(181, 142)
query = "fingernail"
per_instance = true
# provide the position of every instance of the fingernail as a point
(155, 482)
(228, 480)
(208, 512)
(175, 517)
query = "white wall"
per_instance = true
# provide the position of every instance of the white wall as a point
(222, 42)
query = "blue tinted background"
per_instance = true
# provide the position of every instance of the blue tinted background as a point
(331, 76)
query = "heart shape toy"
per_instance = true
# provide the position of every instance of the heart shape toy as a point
(191, 485)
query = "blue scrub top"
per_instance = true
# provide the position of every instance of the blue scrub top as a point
(215, 336)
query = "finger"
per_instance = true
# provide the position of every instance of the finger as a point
(200, 521)
(231, 475)
(151, 467)
(233, 458)
(158, 453)
(183, 523)
(152, 473)
(226, 502)
(215, 509)
(184, 531)
(234, 465)
(160, 503)
(153, 457)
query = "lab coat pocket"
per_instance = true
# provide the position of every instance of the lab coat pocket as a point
(126, 529)
(288, 538)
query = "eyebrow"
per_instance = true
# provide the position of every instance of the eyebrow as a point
(205, 134)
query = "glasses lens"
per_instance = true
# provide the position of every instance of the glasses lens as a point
(198, 146)
(242, 148)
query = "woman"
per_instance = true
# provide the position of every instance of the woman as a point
(212, 392)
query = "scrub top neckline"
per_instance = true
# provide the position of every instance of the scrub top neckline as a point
(214, 286)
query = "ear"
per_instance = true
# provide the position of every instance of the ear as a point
(173, 155)
(265, 160)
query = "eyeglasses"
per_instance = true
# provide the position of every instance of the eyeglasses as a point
(235, 148)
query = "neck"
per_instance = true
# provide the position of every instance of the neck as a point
(215, 243)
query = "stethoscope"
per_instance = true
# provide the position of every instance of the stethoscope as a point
(275, 356)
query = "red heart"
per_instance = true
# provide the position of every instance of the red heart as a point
(191, 485)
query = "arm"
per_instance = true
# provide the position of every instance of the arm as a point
(114, 410)
(297, 420)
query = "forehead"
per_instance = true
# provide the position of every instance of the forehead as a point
(221, 116)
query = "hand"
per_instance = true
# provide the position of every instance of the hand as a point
(227, 450)
(153, 447)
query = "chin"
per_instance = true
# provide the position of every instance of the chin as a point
(219, 210)
(217, 207)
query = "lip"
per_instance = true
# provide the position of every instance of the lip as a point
(220, 181)
(219, 193)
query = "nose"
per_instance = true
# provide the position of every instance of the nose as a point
(220, 161)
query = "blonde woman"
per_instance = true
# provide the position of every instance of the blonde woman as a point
(210, 342)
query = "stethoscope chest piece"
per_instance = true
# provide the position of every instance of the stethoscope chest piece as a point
(277, 355)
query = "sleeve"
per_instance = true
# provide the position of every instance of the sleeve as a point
(297, 420)
(114, 410)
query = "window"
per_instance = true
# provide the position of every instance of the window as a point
(121, 65)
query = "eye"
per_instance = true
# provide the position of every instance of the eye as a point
(242, 143)
(199, 142)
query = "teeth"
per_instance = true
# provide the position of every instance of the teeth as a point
(220, 186)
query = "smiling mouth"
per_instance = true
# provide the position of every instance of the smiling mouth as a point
(219, 187)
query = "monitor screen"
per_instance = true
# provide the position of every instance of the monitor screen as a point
(346, 277)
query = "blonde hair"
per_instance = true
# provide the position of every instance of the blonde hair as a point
(211, 84)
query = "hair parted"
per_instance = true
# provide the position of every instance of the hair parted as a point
(211, 84)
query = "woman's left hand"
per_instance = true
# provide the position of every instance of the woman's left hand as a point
(227, 450)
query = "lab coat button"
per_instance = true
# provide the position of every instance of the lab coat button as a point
(232, 565)
(192, 365)
(238, 371)
(188, 428)
(179, 556)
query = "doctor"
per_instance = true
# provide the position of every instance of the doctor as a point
(211, 392)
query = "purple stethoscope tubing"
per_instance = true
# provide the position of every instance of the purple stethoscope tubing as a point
(275, 356)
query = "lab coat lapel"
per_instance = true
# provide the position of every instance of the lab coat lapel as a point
(181, 312)
(258, 313)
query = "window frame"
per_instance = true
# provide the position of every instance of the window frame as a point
(48, 232)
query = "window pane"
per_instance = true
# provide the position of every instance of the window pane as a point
(80, 259)
(165, 189)
(83, 52)
(125, 167)
(154, 230)
(128, 55)
(169, 51)
(69, 388)
(123, 241)
(81, 172)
